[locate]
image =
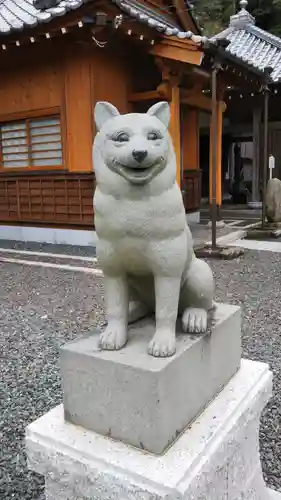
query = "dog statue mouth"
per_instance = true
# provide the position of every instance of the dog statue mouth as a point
(138, 175)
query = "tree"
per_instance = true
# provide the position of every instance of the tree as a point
(214, 17)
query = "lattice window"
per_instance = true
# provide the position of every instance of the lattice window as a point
(35, 142)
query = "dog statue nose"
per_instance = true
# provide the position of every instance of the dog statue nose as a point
(139, 155)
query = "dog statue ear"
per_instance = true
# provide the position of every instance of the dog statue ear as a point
(162, 111)
(103, 112)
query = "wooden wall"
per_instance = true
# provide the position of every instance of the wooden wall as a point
(97, 74)
(29, 82)
(191, 189)
(71, 77)
(190, 138)
(191, 177)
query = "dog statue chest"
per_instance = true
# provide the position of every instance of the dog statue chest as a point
(152, 218)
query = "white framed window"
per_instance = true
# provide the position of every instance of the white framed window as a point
(31, 143)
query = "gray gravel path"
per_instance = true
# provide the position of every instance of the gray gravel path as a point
(39, 310)
(254, 283)
(47, 247)
(42, 308)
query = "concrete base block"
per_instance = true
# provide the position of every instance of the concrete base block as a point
(145, 401)
(48, 235)
(216, 458)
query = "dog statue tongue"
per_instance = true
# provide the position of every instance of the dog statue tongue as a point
(145, 247)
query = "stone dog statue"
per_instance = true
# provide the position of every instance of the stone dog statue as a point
(145, 247)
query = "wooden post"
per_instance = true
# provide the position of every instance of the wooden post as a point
(219, 154)
(213, 151)
(267, 72)
(219, 120)
(265, 152)
(175, 128)
(256, 155)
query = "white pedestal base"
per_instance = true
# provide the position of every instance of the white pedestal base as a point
(216, 458)
(275, 495)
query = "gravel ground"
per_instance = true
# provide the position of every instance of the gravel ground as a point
(47, 247)
(42, 308)
(39, 310)
(254, 283)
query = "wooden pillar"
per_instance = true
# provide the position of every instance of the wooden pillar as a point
(218, 166)
(175, 129)
(256, 154)
(219, 153)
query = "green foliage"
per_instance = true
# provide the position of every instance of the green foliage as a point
(213, 15)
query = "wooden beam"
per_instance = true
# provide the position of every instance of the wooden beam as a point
(183, 14)
(178, 50)
(200, 101)
(175, 131)
(197, 101)
(149, 95)
(162, 92)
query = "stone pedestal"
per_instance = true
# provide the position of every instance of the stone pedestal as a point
(216, 458)
(145, 401)
(134, 427)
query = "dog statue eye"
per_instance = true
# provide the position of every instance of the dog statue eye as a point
(121, 137)
(153, 136)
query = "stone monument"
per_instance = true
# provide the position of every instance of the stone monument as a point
(158, 406)
(273, 200)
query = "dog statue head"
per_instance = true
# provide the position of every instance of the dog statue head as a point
(135, 147)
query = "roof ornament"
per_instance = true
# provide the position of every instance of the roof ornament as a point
(243, 4)
(243, 17)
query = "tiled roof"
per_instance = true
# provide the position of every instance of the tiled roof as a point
(154, 20)
(252, 45)
(16, 15)
(19, 14)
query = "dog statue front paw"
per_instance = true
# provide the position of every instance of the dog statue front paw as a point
(163, 344)
(113, 338)
(195, 320)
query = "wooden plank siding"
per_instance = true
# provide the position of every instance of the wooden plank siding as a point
(29, 84)
(190, 138)
(57, 199)
(77, 108)
(111, 79)
(191, 187)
